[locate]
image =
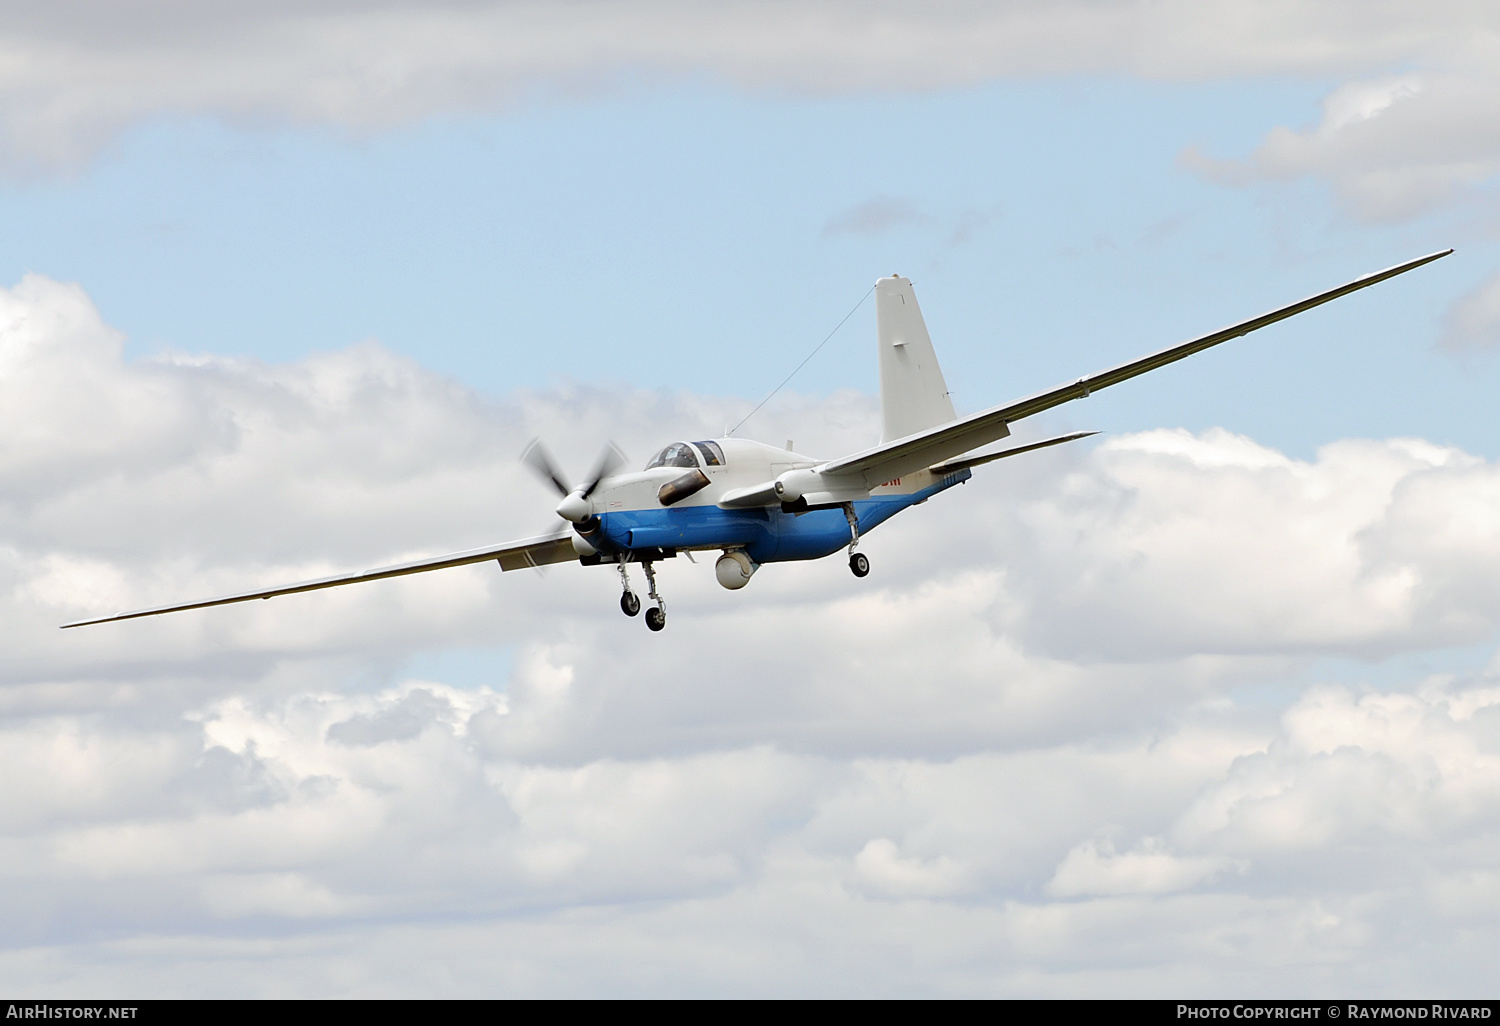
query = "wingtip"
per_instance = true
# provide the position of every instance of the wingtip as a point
(1401, 268)
(82, 623)
(90, 623)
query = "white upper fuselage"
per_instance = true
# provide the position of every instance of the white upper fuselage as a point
(741, 464)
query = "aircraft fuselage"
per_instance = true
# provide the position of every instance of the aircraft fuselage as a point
(628, 516)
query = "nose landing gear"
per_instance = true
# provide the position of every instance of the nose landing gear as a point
(859, 564)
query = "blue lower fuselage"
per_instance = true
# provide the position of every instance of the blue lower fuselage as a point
(767, 535)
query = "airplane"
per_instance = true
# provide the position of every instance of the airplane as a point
(757, 504)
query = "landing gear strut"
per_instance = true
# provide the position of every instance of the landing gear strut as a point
(630, 602)
(859, 563)
(656, 616)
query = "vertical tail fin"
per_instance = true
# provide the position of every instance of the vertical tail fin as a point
(913, 394)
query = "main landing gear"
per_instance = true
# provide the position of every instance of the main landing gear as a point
(630, 602)
(859, 563)
(656, 616)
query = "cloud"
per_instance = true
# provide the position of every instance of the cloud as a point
(1361, 538)
(1357, 831)
(77, 74)
(1097, 869)
(970, 222)
(880, 867)
(1392, 147)
(1014, 760)
(1409, 129)
(873, 216)
(882, 213)
(1405, 766)
(402, 722)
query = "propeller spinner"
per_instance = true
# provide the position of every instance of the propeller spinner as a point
(575, 505)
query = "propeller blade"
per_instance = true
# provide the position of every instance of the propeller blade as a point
(539, 460)
(610, 460)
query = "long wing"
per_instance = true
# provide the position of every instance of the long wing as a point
(905, 455)
(511, 556)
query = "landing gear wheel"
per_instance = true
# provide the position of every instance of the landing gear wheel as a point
(630, 603)
(656, 618)
(859, 564)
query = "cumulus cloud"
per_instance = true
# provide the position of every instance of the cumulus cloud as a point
(1095, 869)
(75, 74)
(1347, 767)
(1011, 761)
(1392, 147)
(1355, 833)
(1374, 554)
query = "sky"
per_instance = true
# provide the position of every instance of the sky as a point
(1206, 704)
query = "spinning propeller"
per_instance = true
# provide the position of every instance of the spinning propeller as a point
(575, 501)
(575, 507)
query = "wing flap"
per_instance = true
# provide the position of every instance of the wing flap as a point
(511, 556)
(905, 455)
(558, 550)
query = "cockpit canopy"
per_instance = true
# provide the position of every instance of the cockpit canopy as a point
(686, 454)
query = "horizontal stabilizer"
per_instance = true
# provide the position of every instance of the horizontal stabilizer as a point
(953, 466)
(516, 555)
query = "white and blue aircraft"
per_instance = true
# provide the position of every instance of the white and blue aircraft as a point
(757, 504)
